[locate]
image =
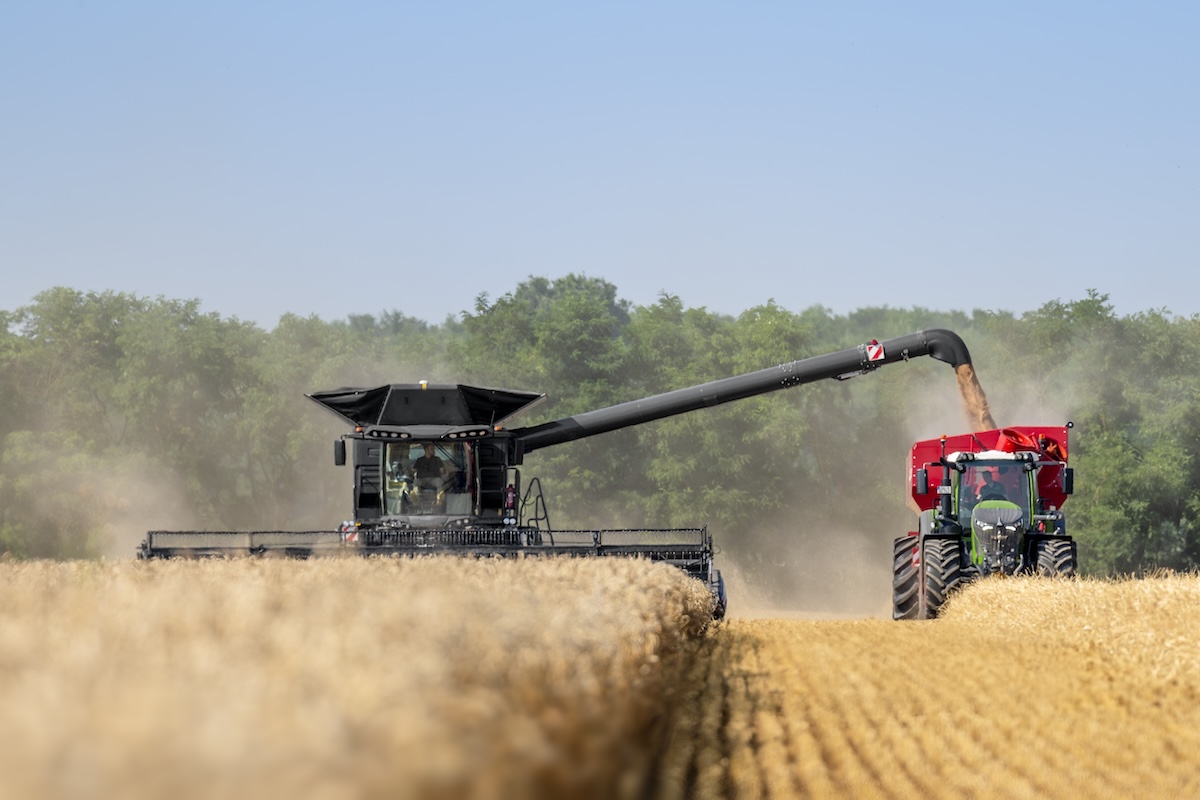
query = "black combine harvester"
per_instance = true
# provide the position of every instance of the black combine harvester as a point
(437, 469)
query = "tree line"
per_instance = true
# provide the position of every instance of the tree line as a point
(120, 414)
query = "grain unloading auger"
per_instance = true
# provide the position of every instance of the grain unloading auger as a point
(437, 468)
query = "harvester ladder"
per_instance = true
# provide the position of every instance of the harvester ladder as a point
(533, 506)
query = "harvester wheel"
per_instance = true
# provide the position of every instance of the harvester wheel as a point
(1055, 557)
(720, 601)
(906, 579)
(943, 572)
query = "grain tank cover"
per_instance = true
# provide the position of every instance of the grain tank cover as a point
(426, 404)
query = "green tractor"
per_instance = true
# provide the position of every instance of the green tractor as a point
(997, 509)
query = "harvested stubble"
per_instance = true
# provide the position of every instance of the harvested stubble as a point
(338, 678)
(1025, 688)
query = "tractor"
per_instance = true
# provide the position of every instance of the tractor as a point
(996, 509)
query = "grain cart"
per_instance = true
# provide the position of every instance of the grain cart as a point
(996, 508)
(437, 468)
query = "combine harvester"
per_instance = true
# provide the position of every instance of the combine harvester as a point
(997, 510)
(475, 503)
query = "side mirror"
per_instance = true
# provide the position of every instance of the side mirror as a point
(1068, 481)
(339, 452)
(922, 481)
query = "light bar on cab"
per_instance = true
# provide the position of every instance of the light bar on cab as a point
(476, 433)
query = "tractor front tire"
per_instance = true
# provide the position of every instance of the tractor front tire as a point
(941, 562)
(906, 579)
(1055, 557)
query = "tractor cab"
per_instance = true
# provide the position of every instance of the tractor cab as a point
(995, 496)
(990, 478)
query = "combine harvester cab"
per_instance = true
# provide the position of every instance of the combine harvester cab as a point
(987, 503)
(437, 468)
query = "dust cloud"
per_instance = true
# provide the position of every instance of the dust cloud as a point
(97, 497)
(807, 565)
(823, 574)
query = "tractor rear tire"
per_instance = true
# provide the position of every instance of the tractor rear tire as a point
(942, 565)
(906, 579)
(1055, 557)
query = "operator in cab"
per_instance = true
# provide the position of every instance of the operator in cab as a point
(429, 470)
(990, 488)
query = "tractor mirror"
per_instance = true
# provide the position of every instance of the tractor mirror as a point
(1068, 481)
(339, 452)
(922, 481)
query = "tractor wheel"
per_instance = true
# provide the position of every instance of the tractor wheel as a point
(1055, 557)
(906, 579)
(943, 572)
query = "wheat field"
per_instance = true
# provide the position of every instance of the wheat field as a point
(1024, 688)
(337, 678)
(372, 678)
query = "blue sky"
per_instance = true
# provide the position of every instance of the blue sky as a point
(339, 158)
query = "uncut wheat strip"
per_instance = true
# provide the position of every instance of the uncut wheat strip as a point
(1124, 627)
(1092, 618)
(240, 625)
(1148, 622)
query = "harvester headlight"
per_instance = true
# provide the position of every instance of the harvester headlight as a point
(984, 526)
